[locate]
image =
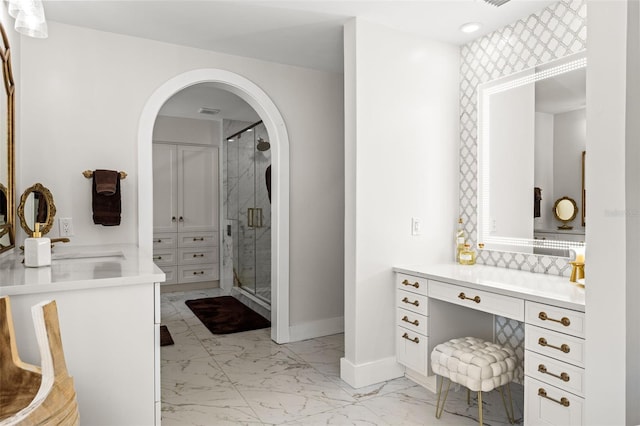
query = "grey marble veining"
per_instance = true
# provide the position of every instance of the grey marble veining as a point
(245, 378)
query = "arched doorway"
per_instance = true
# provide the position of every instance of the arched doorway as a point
(276, 128)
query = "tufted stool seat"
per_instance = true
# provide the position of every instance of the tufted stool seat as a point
(476, 364)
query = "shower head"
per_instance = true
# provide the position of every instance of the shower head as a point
(263, 145)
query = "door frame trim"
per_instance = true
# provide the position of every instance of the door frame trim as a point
(279, 139)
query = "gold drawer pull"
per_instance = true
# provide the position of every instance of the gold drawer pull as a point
(564, 347)
(563, 376)
(199, 273)
(157, 241)
(414, 340)
(564, 321)
(563, 401)
(414, 303)
(198, 239)
(157, 258)
(198, 255)
(416, 284)
(406, 319)
(464, 296)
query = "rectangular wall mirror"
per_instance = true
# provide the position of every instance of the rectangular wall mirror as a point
(531, 139)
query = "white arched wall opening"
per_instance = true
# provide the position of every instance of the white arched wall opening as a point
(279, 139)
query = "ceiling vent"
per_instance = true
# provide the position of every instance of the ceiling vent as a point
(496, 2)
(208, 111)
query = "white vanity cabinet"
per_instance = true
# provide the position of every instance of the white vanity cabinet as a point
(435, 303)
(554, 365)
(185, 212)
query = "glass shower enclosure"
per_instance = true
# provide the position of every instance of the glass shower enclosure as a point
(248, 170)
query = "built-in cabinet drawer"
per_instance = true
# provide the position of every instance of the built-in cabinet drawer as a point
(548, 405)
(554, 318)
(411, 284)
(197, 239)
(197, 255)
(166, 240)
(509, 307)
(171, 274)
(554, 365)
(196, 273)
(412, 321)
(411, 350)
(165, 257)
(556, 345)
(411, 301)
(554, 372)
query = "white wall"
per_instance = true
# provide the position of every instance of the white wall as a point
(401, 160)
(606, 278)
(82, 96)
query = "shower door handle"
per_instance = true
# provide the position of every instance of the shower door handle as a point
(250, 223)
(259, 211)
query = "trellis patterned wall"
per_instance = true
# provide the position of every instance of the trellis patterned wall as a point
(555, 32)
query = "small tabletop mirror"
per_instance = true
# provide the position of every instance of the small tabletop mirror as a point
(36, 205)
(565, 210)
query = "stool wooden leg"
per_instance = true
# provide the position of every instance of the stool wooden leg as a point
(510, 414)
(480, 407)
(439, 408)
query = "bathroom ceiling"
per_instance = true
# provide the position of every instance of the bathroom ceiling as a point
(304, 33)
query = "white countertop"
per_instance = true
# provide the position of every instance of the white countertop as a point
(79, 267)
(543, 288)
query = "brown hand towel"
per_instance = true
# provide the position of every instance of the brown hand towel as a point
(106, 181)
(106, 208)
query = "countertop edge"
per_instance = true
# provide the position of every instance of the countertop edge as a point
(558, 300)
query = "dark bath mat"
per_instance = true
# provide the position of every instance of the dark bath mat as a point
(165, 336)
(225, 315)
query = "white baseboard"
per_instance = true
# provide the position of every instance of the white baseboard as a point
(370, 373)
(313, 329)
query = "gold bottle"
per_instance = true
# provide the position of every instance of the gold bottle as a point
(467, 256)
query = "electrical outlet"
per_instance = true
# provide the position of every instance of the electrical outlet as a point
(66, 227)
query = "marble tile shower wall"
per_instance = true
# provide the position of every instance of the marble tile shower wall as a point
(554, 32)
(248, 251)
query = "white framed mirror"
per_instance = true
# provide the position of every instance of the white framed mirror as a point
(530, 124)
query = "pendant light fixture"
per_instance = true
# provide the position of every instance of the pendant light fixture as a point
(29, 16)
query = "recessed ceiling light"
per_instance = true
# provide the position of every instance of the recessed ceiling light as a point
(470, 27)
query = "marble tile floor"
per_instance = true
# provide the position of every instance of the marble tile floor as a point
(245, 378)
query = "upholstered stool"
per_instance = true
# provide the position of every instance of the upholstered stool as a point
(478, 365)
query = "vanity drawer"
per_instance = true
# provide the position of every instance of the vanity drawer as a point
(197, 255)
(171, 274)
(560, 374)
(197, 273)
(411, 301)
(412, 321)
(552, 343)
(493, 303)
(198, 239)
(412, 350)
(547, 405)
(165, 257)
(165, 241)
(554, 318)
(412, 284)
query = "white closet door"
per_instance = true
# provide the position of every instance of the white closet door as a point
(165, 188)
(198, 191)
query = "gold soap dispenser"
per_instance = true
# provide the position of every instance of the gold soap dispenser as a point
(577, 267)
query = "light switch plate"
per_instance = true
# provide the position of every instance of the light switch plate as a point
(416, 226)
